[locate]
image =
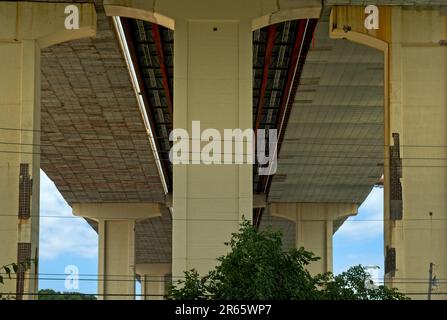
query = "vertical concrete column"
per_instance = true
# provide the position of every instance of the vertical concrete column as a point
(416, 233)
(316, 236)
(314, 227)
(116, 262)
(20, 123)
(116, 232)
(153, 280)
(25, 29)
(213, 85)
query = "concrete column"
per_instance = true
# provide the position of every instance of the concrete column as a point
(116, 256)
(20, 105)
(152, 278)
(25, 29)
(314, 227)
(212, 84)
(418, 114)
(116, 263)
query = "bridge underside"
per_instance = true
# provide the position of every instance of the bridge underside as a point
(95, 148)
(333, 149)
(94, 143)
(337, 105)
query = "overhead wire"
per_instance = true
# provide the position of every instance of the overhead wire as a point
(220, 219)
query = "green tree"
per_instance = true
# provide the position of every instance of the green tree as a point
(193, 287)
(8, 271)
(49, 294)
(258, 268)
(352, 285)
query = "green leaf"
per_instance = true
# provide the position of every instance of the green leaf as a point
(8, 271)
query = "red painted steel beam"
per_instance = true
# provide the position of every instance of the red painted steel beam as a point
(156, 36)
(271, 33)
(292, 74)
(297, 44)
(267, 60)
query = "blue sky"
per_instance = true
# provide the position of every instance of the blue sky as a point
(359, 241)
(66, 240)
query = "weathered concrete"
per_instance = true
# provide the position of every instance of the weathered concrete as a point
(116, 230)
(26, 29)
(94, 144)
(415, 109)
(168, 12)
(333, 144)
(153, 280)
(314, 223)
(418, 82)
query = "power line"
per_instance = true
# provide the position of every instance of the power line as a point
(401, 279)
(303, 141)
(219, 219)
(306, 155)
(95, 276)
(90, 294)
(304, 164)
(86, 280)
(134, 279)
(142, 295)
(253, 142)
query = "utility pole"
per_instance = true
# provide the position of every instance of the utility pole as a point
(430, 281)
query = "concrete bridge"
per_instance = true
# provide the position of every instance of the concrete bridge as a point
(94, 106)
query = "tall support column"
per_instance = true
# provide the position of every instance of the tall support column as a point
(153, 280)
(314, 224)
(20, 162)
(116, 256)
(213, 85)
(25, 29)
(416, 219)
(116, 261)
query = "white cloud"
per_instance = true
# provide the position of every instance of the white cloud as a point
(63, 234)
(369, 221)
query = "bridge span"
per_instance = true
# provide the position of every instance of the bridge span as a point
(352, 107)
